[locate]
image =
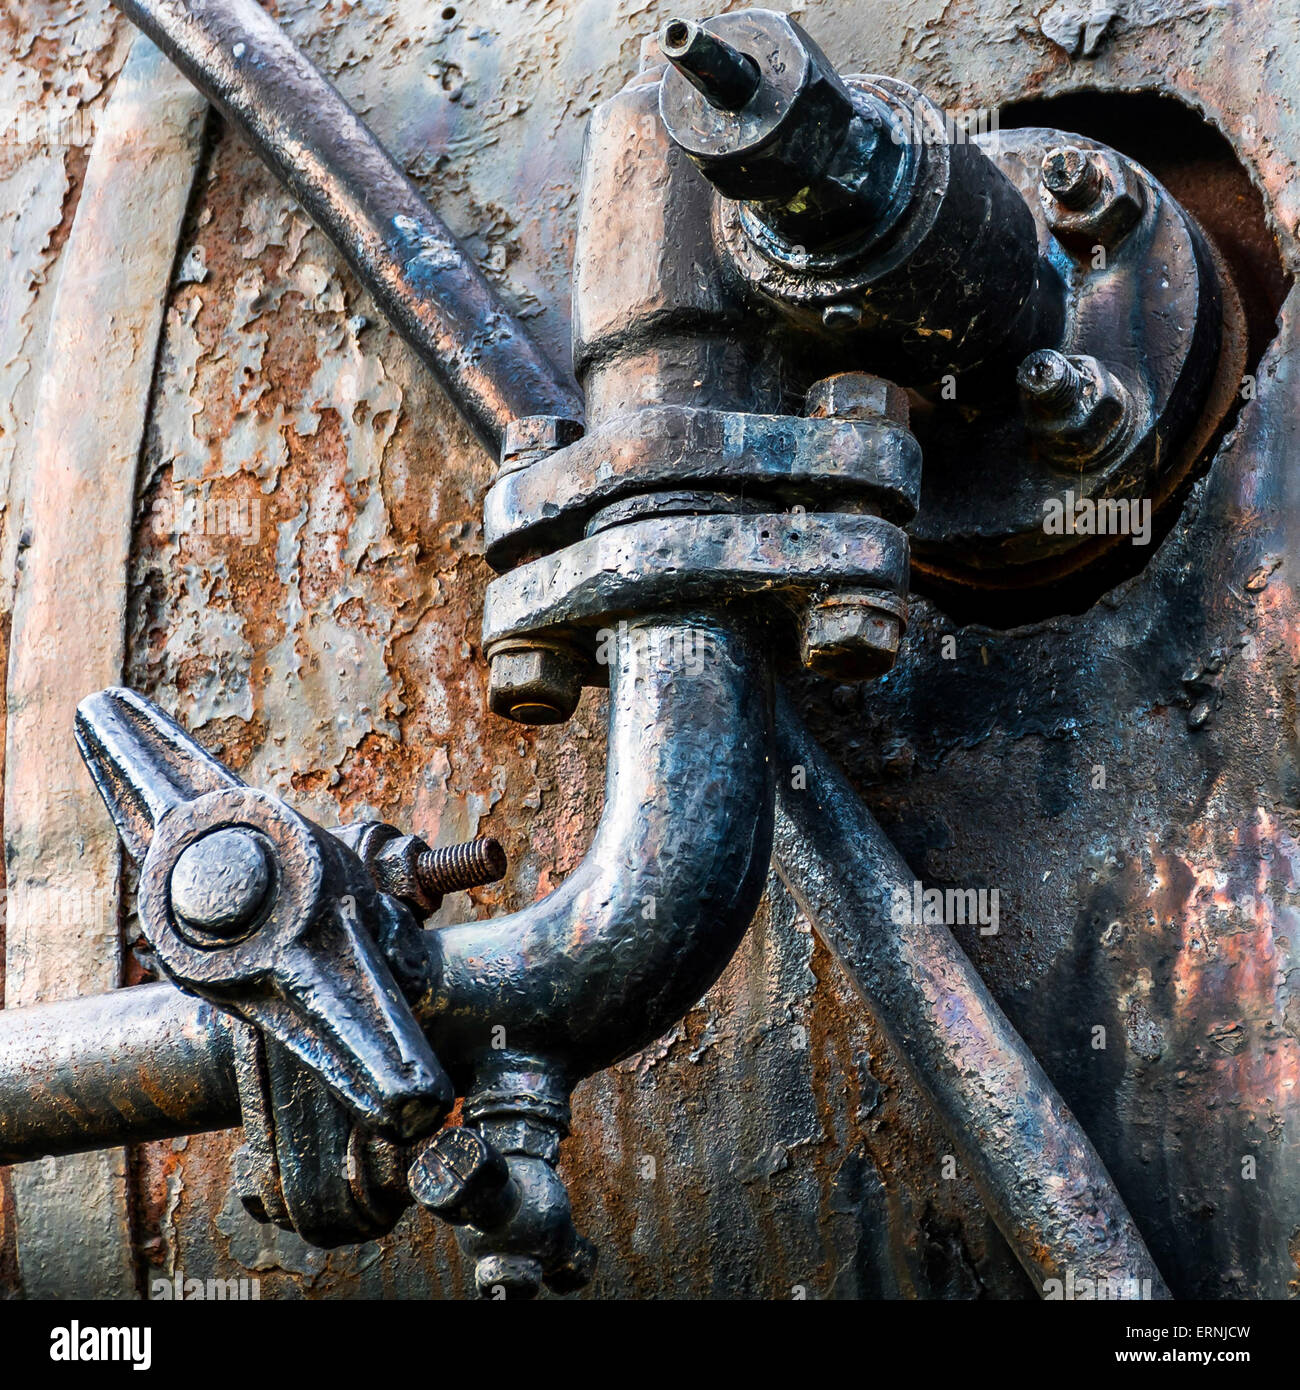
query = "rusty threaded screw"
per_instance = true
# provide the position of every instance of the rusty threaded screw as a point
(1050, 383)
(454, 867)
(1071, 177)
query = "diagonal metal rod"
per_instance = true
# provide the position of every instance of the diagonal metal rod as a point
(1043, 1182)
(351, 187)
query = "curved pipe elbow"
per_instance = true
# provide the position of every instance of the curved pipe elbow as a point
(641, 929)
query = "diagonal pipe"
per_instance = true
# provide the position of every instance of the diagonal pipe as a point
(1041, 1179)
(349, 185)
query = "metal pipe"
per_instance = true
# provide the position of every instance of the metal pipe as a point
(646, 923)
(1041, 1178)
(348, 184)
(142, 1063)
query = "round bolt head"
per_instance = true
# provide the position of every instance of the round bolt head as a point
(220, 882)
(851, 639)
(535, 685)
(857, 396)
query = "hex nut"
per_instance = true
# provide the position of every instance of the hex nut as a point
(533, 683)
(857, 396)
(854, 635)
(396, 871)
(1110, 197)
(534, 436)
(1079, 412)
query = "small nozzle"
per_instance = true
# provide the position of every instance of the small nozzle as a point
(727, 77)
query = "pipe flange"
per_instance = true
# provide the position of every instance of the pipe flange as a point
(662, 563)
(792, 461)
(1113, 408)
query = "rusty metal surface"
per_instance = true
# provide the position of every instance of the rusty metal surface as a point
(330, 648)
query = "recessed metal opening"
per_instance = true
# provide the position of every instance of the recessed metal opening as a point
(1201, 170)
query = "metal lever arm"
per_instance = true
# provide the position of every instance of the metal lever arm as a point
(250, 905)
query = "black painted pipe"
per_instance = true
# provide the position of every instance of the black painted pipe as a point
(350, 186)
(1041, 1179)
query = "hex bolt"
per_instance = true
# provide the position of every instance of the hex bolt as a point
(405, 867)
(1050, 384)
(1079, 412)
(219, 883)
(460, 1177)
(857, 396)
(534, 436)
(452, 868)
(854, 634)
(1091, 197)
(1072, 176)
(727, 77)
(535, 682)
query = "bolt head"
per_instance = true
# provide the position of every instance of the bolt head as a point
(220, 883)
(852, 637)
(857, 396)
(516, 1276)
(535, 684)
(454, 1168)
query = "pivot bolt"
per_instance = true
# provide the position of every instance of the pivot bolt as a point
(220, 883)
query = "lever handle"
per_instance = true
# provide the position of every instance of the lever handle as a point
(252, 906)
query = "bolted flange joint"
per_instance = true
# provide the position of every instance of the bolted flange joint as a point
(853, 633)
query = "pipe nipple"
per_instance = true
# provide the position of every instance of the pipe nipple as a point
(727, 78)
